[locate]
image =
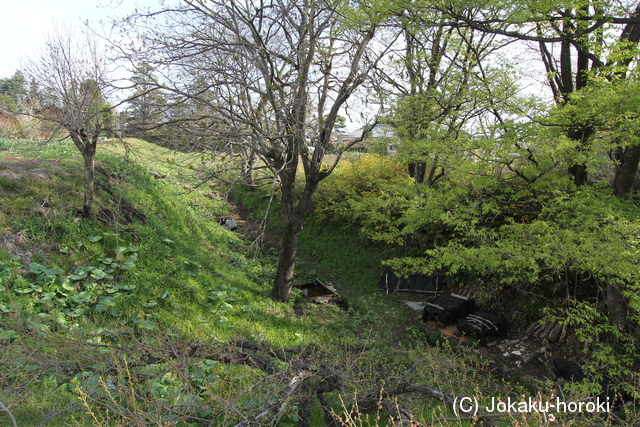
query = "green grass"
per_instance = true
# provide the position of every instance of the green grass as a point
(185, 280)
(182, 250)
(190, 275)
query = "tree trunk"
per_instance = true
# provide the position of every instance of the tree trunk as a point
(617, 305)
(417, 170)
(626, 170)
(87, 147)
(579, 174)
(293, 215)
(248, 166)
(434, 173)
(579, 171)
(291, 226)
(287, 261)
(89, 179)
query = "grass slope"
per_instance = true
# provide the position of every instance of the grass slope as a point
(135, 318)
(190, 274)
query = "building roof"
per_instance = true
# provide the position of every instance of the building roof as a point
(379, 131)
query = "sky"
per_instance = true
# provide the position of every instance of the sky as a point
(25, 23)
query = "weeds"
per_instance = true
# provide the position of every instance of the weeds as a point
(168, 321)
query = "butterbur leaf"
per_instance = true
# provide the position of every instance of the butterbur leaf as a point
(75, 313)
(106, 261)
(8, 334)
(80, 274)
(120, 250)
(100, 308)
(146, 324)
(54, 271)
(126, 287)
(98, 274)
(126, 266)
(45, 298)
(81, 297)
(94, 238)
(108, 301)
(36, 325)
(36, 268)
(116, 312)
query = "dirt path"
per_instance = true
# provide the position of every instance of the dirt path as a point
(250, 227)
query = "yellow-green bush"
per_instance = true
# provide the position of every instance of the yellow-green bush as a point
(361, 177)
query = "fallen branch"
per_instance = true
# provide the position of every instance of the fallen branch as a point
(405, 387)
(278, 408)
(8, 412)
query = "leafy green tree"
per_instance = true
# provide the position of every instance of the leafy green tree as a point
(444, 86)
(146, 107)
(580, 43)
(508, 210)
(13, 92)
(340, 125)
(610, 109)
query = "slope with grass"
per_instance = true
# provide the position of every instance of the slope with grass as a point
(153, 314)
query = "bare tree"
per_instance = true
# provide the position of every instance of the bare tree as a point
(260, 67)
(70, 80)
